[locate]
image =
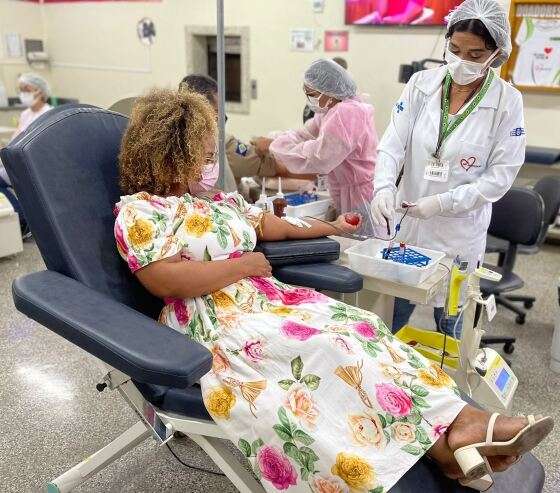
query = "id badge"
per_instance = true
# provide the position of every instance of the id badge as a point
(436, 170)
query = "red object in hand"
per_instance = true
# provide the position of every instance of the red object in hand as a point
(352, 218)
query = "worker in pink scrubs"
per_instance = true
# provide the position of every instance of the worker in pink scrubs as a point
(340, 141)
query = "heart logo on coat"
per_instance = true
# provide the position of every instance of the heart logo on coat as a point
(467, 164)
(548, 50)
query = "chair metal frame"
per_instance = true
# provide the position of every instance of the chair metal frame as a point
(206, 434)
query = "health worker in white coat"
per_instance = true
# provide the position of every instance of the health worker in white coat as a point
(457, 135)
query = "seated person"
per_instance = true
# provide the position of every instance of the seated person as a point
(242, 159)
(208, 87)
(281, 353)
(34, 92)
(7, 191)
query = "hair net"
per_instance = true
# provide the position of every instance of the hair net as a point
(493, 16)
(37, 81)
(330, 78)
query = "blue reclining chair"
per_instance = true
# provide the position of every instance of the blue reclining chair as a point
(65, 171)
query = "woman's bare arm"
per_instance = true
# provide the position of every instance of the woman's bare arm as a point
(276, 229)
(284, 172)
(176, 278)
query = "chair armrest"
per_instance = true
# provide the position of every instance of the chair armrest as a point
(292, 252)
(123, 338)
(330, 277)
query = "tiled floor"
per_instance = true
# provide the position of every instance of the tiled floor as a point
(51, 416)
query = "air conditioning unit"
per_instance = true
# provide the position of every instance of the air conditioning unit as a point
(35, 53)
(38, 56)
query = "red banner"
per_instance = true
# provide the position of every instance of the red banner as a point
(76, 1)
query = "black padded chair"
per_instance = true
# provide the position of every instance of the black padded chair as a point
(65, 172)
(517, 218)
(548, 188)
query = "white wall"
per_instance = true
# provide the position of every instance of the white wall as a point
(103, 35)
(17, 17)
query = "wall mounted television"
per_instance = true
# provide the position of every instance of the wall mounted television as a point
(399, 12)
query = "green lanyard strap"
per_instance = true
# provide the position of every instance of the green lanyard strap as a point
(446, 129)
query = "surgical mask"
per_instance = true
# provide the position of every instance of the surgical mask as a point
(315, 105)
(464, 72)
(26, 98)
(210, 175)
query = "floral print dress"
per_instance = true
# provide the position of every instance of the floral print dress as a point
(318, 395)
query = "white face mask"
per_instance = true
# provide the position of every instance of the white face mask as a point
(26, 98)
(315, 105)
(464, 72)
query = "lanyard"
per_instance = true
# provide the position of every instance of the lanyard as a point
(446, 129)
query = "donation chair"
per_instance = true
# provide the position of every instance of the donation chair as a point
(66, 172)
(518, 219)
(124, 106)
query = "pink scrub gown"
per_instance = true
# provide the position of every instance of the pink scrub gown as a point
(341, 144)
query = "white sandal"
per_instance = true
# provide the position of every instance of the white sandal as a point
(476, 468)
(481, 484)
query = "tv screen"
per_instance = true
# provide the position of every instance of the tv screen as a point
(399, 12)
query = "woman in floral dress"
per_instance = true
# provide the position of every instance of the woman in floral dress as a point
(318, 395)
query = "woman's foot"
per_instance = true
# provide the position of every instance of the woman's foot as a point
(442, 454)
(471, 424)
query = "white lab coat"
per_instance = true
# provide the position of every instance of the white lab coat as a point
(492, 139)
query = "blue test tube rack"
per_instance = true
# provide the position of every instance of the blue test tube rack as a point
(408, 257)
(295, 199)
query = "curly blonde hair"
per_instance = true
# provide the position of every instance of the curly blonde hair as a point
(164, 141)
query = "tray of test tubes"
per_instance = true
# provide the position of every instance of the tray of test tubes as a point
(301, 204)
(407, 264)
(405, 255)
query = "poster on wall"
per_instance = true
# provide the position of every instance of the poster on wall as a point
(538, 58)
(301, 40)
(336, 40)
(13, 45)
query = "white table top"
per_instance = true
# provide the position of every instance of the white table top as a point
(6, 130)
(422, 293)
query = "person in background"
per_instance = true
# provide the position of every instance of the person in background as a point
(340, 141)
(308, 113)
(208, 87)
(242, 159)
(34, 92)
(457, 139)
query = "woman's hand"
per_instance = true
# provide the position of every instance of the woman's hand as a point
(281, 170)
(262, 145)
(256, 265)
(349, 222)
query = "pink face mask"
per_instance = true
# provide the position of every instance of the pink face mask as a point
(210, 174)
